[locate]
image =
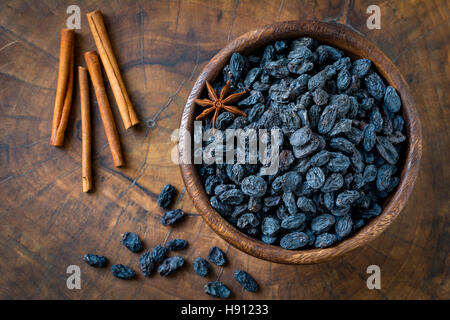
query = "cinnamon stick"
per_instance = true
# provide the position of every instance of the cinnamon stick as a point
(64, 88)
(109, 62)
(86, 134)
(93, 65)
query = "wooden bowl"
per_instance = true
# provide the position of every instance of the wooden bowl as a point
(356, 47)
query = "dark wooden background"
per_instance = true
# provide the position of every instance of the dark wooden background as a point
(47, 223)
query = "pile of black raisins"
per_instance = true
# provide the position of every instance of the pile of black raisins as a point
(340, 152)
(149, 260)
(217, 288)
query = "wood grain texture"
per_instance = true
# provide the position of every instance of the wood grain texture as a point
(47, 223)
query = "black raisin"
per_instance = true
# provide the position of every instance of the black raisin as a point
(333, 183)
(301, 137)
(122, 272)
(325, 240)
(237, 65)
(270, 226)
(289, 202)
(277, 69)
(132, 242)
(95, 260)
(252, 75)
(293, 222)
(369, 137)
(327, 119)
(343, 79)
(392, 100)
(224, 120)
(300, 66)
(170, 217)
(269, 239)
(158, 253)
(201, 267)
(254, 186)
(166, 196)
(211, 182)
(342, 126)
(146, 263)
(338, 162)
(361, 67)
(246, 280)
(347, 197)
(320, 158)
(170, 265)
(222, 208)
(387, 150)
(306, 205)
(217, 289)
(322, 223)
(286, 159)
(307, 149)
(231, 197)
(315, 177)
(247, 220)
(236, 172)
(384, 177)
(176, 244)
(342, 144)
(217, 256)
(375, 86)
(320, 97)
(281, 46)
(294, 240)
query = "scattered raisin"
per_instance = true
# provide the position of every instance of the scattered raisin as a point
(132, 242)
(95, 260)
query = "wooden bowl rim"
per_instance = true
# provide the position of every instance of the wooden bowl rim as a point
(354, 44)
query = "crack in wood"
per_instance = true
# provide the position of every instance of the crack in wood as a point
(60, 251)
(326, 285)
(280, 9)
(178, 15)
(7, 45)
(31, 44)
(42, 190)
(167, 236)
(30, 84)
(413, 43)
(269, 279)
(151, 123)
(122, 210)
(342, 18)
(197, 234)
(24, 117)
(141, 170)
(233, 16)
(181, 195)
(120, 174)
(144, 164)
(35, 166)
(380, 292)
(222, 267)
(141, 43)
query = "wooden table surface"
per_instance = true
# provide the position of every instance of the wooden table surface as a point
(47, 223)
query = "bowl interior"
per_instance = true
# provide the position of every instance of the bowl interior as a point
(355, 47)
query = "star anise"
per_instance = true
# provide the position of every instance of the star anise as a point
(216, 104)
